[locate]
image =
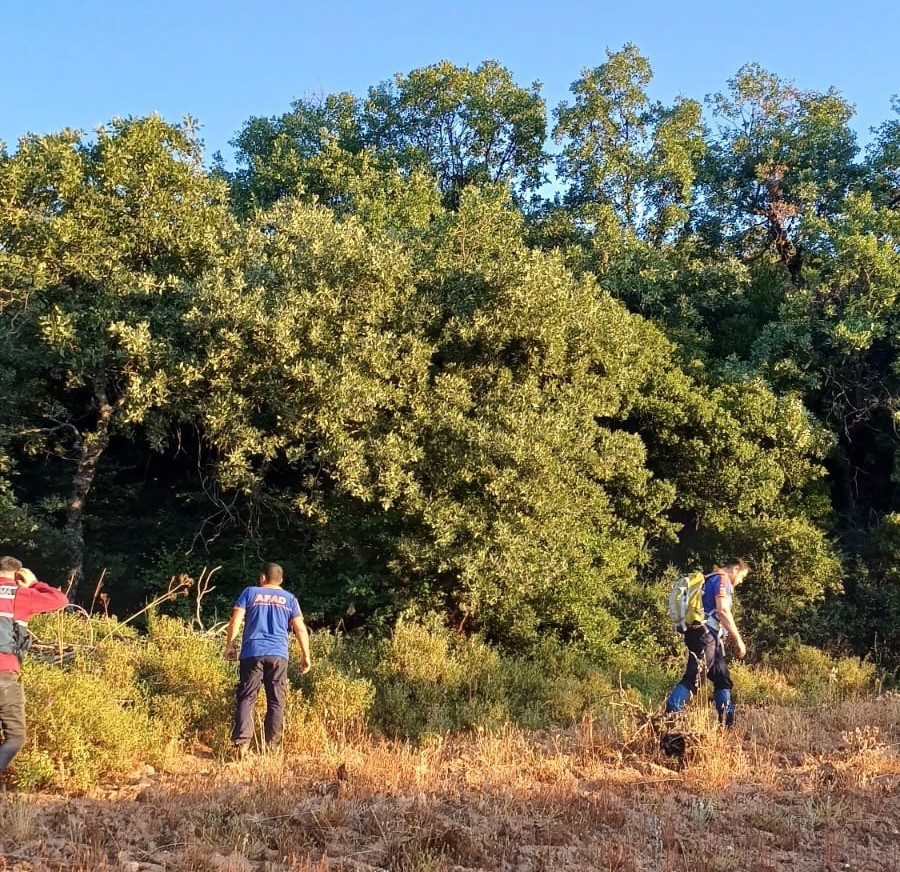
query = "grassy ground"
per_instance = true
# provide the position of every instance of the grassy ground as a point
(800, 789)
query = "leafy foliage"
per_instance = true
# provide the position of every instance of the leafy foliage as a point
(376, 353)
(97, 243)
(469, 127)
(629, 162)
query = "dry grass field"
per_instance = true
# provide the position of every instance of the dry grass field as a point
(794, 789)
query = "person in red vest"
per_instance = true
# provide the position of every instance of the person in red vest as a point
(21, 596)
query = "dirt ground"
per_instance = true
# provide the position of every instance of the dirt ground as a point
(799, 790)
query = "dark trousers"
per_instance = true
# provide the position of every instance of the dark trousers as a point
(271, 672)
(706, 657)
(12, 717)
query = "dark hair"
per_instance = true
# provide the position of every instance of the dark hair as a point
(10, 564)
(273, 573)
(737, 565)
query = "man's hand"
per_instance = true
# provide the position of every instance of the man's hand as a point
(741, 648)
(25, 577)
(230, 653)
(305, 665)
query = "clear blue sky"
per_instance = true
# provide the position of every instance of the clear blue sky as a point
(78, 63)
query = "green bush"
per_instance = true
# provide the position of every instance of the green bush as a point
(819, 677)
(75, 628)
(116, 662)
(421, 655)
(34, 767)
(186, 678)
(642, 677)
(429, 680)
(77, 722)
(801, 675)
(762, 685)
(340, 702)
(129, 699)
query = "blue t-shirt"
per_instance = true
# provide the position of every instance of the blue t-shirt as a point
(716, 584)
(267, 621)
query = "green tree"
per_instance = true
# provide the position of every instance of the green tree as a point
(99, 241)
(836, 341)
(539, 507)
(884, 160)
(318, 154)
(274, 154)
(778, 156)
(426, 417)
(310, 351)
(629, 163)
(746, 465)
(459, 126)
(466, 126)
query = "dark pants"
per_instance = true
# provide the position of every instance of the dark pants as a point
(271, 672)
(12, 717)
(706, 656)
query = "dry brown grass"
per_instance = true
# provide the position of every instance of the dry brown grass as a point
(788, 789)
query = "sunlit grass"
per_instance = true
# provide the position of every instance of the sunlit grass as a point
(785, 797)
(565, 770)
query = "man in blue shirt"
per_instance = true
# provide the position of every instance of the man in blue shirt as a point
(705, 642)
(268, 613)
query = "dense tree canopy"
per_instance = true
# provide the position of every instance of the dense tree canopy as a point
(381, 353)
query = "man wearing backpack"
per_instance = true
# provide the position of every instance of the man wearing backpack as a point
(705, 641)
(21, 596)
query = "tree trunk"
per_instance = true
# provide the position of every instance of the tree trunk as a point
(90, 447)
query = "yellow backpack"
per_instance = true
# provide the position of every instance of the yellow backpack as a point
(686, 601)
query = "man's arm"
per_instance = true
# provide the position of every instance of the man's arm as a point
(234, 626)
(35, 597)
(726, 618)
(302, 635)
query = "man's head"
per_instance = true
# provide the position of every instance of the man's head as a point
(737, 571)
(271, 574)
(10, 565)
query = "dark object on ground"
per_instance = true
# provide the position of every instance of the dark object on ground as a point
(673, 745)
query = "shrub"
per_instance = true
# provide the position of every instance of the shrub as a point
(33, 767)
(340, 702)
(187, 679)
(420, 654)
(761, 685)
(87, 731)
(129, 699)
(429, 680)
(76, 629)
(303, 733)
(116, 662)
(819, 677)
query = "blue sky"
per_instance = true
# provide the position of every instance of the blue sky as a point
(78, 63)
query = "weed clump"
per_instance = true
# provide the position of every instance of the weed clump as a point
(819, 677)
